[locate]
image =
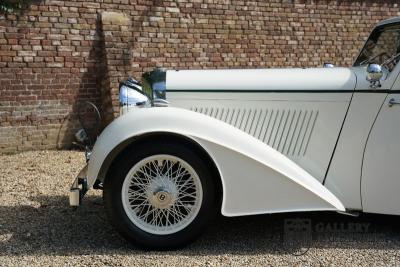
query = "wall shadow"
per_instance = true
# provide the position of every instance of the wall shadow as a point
(88, 89)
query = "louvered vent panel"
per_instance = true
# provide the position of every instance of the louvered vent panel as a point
(288, 131)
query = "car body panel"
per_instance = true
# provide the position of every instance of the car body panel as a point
(266, 190)
(311, 79)
(380, 182)
(302, 126)
(299, 112)
(343, 177)
(272, 173)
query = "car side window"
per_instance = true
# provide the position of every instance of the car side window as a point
(382, 46)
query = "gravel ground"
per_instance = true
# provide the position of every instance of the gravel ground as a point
(38, 228)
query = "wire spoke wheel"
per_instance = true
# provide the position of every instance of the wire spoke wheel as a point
(162, 194)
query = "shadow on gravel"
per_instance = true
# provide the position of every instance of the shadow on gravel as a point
(55, 229)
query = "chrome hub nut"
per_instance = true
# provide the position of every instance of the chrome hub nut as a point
(162, 199)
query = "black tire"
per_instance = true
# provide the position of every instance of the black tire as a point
(113, 200)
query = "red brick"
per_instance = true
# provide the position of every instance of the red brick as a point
(57, 44)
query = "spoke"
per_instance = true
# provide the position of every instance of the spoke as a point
(181, 176)
(178, 173)
(186, 201)
(185, 187)
(141, 180)
(164, 215)
(132, 192)
(149, 211)
(173, 215)
(159, 218)
(168, 172)
(150, 173)
(137, 198)
(185, 207)
(155, 216)
(167, 218)
(137, 192)
(178, 214)
(147, 172)
(159, 221)
(143, 170)
(156, 168)
(184, 195)
(143, 204)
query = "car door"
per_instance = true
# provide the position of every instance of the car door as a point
(380, 182)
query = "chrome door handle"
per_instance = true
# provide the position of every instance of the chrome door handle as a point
(393, 101)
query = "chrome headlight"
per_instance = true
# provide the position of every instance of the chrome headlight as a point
(131, 97)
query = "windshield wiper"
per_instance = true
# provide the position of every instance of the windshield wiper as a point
(368, 60)
(390, 60)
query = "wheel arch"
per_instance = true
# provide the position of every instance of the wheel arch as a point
(129, 144)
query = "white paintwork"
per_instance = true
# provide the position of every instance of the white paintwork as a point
(262, 79)
(380, 183)
(344, 174)
(343, 178)
(304, 127)
(277, 184)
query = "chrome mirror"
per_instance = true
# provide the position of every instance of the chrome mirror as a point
(328, 65)
(374, 74)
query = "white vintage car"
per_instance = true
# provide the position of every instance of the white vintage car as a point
(244, 142)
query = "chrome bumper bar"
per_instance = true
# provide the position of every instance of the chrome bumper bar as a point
(78, 188)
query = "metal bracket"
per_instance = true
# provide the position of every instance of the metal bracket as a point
(375, 84)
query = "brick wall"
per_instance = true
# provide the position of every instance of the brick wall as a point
(55, 54)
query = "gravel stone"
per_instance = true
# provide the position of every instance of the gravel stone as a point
(38, 228)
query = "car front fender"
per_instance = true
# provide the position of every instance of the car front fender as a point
(255, 178)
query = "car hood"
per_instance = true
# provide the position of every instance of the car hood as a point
(295, 79)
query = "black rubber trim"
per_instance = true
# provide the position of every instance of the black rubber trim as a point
(379, 91)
